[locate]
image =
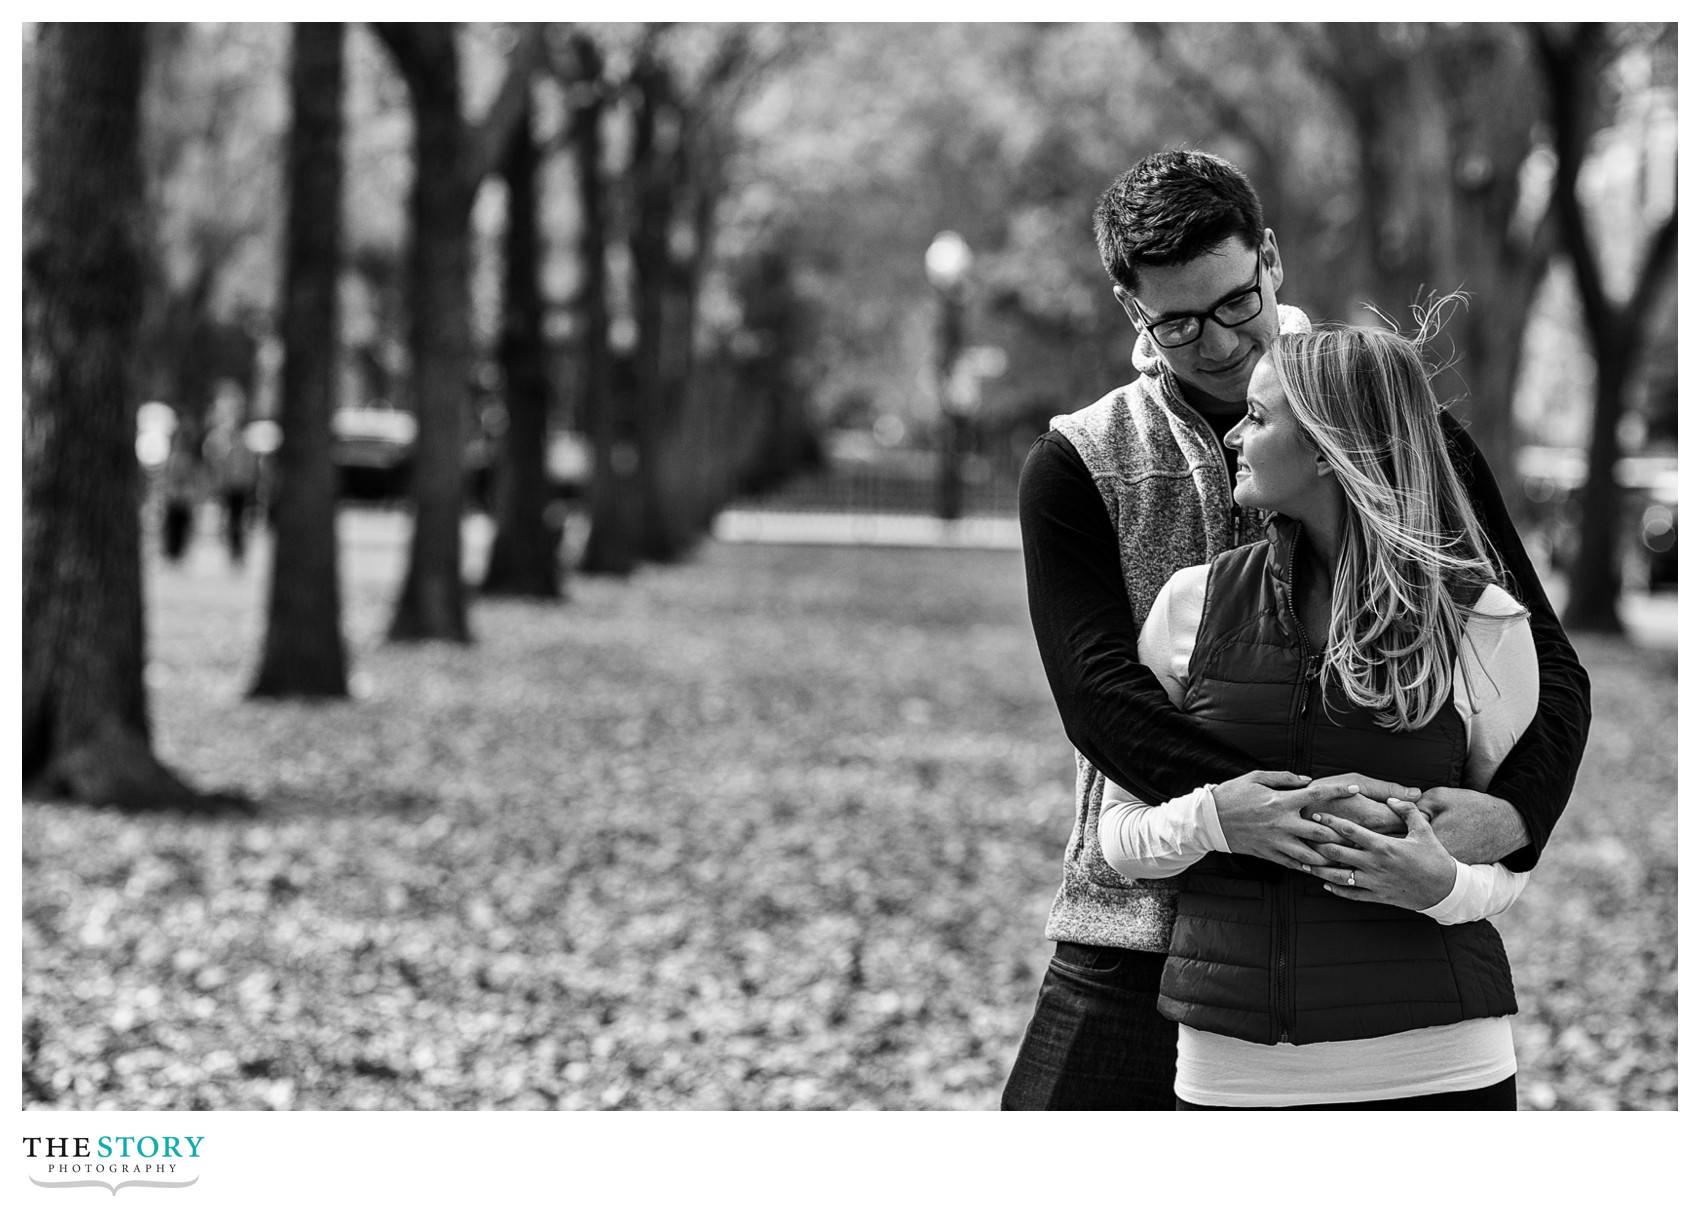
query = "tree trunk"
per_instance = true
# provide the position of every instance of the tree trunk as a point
(714, 451)
(1596, 578)
(665, 535)
(85, 716)
(612, 546)
(304, 652)
(1572, 64)
(522, 555)
(432, 604)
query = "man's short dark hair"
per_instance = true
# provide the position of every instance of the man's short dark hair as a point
(1170, 208)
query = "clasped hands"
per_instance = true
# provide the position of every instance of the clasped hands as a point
(1366, 839)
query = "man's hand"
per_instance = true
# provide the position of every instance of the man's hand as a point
(1412, 872)
(1369, 807)
(1265, 814)
(1473, 826)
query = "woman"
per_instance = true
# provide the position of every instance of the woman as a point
(180, 492)
(1369, 634)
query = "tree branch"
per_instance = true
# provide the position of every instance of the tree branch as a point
(413, 47)
(1656, 270)
(1320, 54)
(577, 71)
(1561, 65)
(488, 140)
(1201, 88)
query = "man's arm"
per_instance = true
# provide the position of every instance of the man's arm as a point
(1113, 708)
(1535, 779)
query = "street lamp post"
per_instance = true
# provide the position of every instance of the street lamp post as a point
(948, 262)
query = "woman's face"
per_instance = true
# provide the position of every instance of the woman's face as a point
(1279, 469)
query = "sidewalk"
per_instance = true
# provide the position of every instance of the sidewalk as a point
(1649, 620)
(866, 529)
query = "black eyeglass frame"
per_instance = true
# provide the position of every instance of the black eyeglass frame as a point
(1201, 316)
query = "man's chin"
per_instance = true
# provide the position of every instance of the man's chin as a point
(1232, 383)
(1218, 396)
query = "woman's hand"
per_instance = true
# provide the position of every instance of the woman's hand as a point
(1412, 872)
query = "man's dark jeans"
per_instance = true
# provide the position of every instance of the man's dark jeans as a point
(1096, 1042)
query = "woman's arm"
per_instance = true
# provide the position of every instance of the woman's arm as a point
(1156, 841)
(1479, 891)
(1537, 775)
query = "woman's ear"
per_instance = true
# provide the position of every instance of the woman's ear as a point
(1323, 467)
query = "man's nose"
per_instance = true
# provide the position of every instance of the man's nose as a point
(1215, 342)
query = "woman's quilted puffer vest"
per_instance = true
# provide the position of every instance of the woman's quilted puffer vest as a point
(1263, 953)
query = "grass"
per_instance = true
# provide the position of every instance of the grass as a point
(776, 829)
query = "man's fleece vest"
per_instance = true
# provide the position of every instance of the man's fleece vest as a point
(1263, 953)
(1164, 482)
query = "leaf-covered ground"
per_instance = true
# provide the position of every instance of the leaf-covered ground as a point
(774, 829)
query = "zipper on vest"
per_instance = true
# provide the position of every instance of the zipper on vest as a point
(1236, 516)
(1299, 753)
(1310, 666)
(1282, 1019)
(1286, 986)
(1286, 912)
(1304, 727)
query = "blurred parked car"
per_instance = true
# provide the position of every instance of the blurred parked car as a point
(1552, 480)
(1649, 481)
(373, 451)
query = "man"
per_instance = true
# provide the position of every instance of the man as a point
(234, 467)
(1114, 500)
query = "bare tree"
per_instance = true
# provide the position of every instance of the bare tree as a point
(664, 441)
(1572, 60)
(612, 546)
(432, 603)
(304, 652)
(680, 146)
(522, 554)
(450, 160)
(85, 713)
(652, 174)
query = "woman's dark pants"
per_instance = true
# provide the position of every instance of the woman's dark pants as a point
(1096, 1041)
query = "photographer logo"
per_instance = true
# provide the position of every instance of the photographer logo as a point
(113, 1162)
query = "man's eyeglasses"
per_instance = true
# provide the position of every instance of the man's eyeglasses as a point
(1231, 312)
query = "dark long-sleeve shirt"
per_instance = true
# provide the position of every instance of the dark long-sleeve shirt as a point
(1116, 713)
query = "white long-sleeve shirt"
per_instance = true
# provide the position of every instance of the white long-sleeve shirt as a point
(1496, 687)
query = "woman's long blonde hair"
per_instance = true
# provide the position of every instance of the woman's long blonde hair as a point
(1413, 557)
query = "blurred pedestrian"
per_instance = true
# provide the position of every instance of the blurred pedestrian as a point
(235, 474)
(1115, 499)
(1370, 630)
(181, 486)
